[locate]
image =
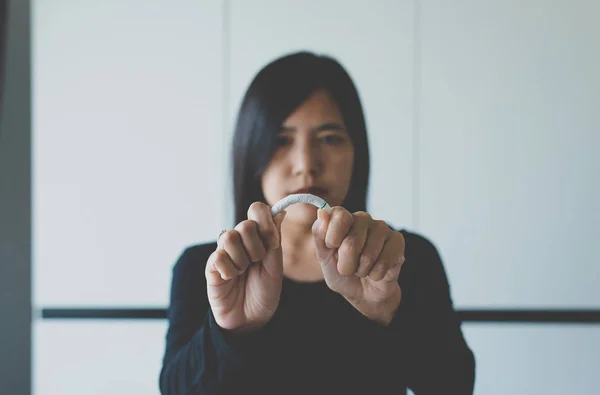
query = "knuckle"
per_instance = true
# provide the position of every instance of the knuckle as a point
(337, 209)
(255, 208)
(401, 239)
(342, 214)
(230, 237)
(397, 236)
(363, 214)
(219, 255)
(346, 217)
(381, 224)
(399, 245)
(245, 228)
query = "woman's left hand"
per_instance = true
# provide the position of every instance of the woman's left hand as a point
(361, 260)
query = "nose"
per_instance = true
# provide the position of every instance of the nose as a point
(306, 159)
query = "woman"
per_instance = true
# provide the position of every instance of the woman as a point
(310, 301)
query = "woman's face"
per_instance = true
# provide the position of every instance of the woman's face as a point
(314, 154)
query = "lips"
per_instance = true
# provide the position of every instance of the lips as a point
(317, 191)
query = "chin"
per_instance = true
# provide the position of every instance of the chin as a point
(301, 213)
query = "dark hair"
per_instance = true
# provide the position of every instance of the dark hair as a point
(274, 93)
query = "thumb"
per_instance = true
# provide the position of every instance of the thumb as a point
(278, 219)
(273, 260)
(319, 231)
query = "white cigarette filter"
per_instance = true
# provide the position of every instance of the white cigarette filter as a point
(288, 201)
(300, 198)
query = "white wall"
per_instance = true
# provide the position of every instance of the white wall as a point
(508, 171)
(482, 130)
(128, 132)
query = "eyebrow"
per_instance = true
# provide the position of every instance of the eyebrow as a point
(336, 126)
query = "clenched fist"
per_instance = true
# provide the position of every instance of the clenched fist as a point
(361, 259)
(244, 275)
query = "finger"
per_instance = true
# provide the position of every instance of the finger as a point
(391, 255)
(267, 229)
(398, 257)
(319, 228)
(278, 220)
(319, 231)
(213, 277)
(339, 225)
(255, 248)
(219, 268)
(393, 273)
(232, 244)
(376, 237)
(273, 260)
(353, 244)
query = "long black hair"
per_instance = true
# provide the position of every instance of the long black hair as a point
(274, 93)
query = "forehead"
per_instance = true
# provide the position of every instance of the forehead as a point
(319, 107)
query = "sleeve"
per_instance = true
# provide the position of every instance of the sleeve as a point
(435, 358)
(199, 358)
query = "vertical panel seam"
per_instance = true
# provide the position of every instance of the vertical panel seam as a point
(416, 112)
(225, 67)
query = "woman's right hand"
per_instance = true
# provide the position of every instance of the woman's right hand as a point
(244, 275)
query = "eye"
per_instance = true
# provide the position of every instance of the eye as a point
(333, 139)
(281, 141)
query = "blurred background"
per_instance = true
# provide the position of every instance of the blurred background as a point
(116, 123)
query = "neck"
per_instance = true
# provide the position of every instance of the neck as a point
(299, 256)
(296, 236)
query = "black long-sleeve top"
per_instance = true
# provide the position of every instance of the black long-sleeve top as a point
(317, 342)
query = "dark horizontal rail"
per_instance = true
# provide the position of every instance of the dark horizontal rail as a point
(532, 316)
(466, 315)
(104, 313)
